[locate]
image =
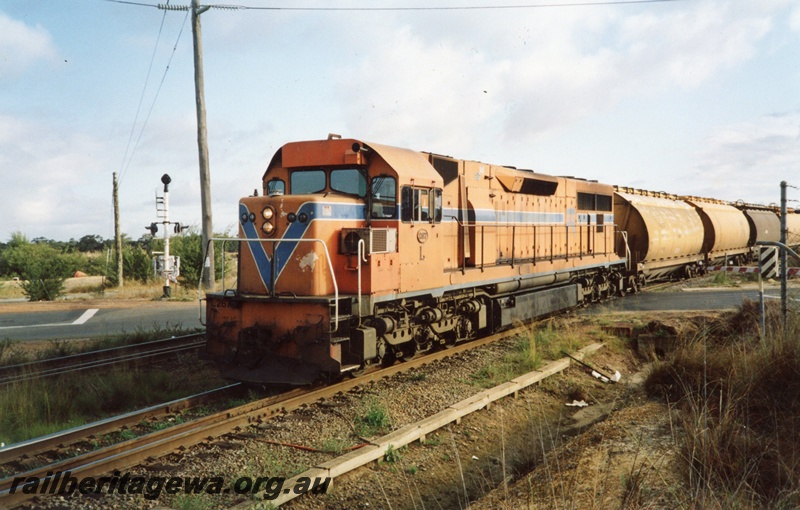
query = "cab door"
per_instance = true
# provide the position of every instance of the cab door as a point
(421, 238)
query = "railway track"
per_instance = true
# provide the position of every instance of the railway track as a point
(157, 444)
(60, 443)
(156, 349)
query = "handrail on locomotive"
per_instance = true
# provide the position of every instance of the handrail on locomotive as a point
(582, 229)
(276, 241)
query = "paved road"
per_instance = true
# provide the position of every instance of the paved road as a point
(97, 321)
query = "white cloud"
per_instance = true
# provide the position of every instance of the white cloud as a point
(50, 179)
(541, 71)
(749, 160)
(794, 19)
(687, 47)
(21, 45)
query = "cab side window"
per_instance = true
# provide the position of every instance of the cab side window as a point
(275, 187)
(384, 198)
(421, 204)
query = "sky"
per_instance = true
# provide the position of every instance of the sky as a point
(692, 97)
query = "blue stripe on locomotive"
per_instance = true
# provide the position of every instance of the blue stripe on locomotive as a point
(356, 212)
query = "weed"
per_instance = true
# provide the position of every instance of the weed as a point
(126, 435)
(269, 459)
(375, 419)
(10, 354)
(192, 502)
(57, 348)
(334, 445)
(41, 406)
(392, 454)
(432, 440)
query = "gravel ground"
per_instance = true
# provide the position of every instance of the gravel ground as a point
(456, 465)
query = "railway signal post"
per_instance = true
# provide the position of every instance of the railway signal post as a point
(164, 265)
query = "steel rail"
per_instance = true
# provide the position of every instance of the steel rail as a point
(93, 359)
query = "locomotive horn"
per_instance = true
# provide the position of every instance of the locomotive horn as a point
(596, 373)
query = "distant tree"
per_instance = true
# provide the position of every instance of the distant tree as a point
(89, 243)
(136, 265)
(145, 242)
(189, 247)
(42, 268)
(17, 239)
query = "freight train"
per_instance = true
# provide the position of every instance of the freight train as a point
(357, 253)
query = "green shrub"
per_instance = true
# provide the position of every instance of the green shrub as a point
(189, 247)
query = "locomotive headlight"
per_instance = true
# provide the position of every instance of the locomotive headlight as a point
(268, 213)
(268, 228)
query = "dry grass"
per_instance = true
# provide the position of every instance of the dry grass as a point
(739, 397)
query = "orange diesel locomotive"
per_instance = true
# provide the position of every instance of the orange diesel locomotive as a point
(357, 253)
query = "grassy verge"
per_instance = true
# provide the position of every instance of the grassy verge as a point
(41, 406)
(739, 400)
(539, 342)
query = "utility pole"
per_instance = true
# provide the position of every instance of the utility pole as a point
(202, 145)
(117, 233)
(784, 260)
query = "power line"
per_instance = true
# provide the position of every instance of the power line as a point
(158, 90)
(168, 7)
(125, 166)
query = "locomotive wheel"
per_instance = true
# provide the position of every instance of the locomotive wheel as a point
(406, 351)
(361, 368)
(389, 358)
